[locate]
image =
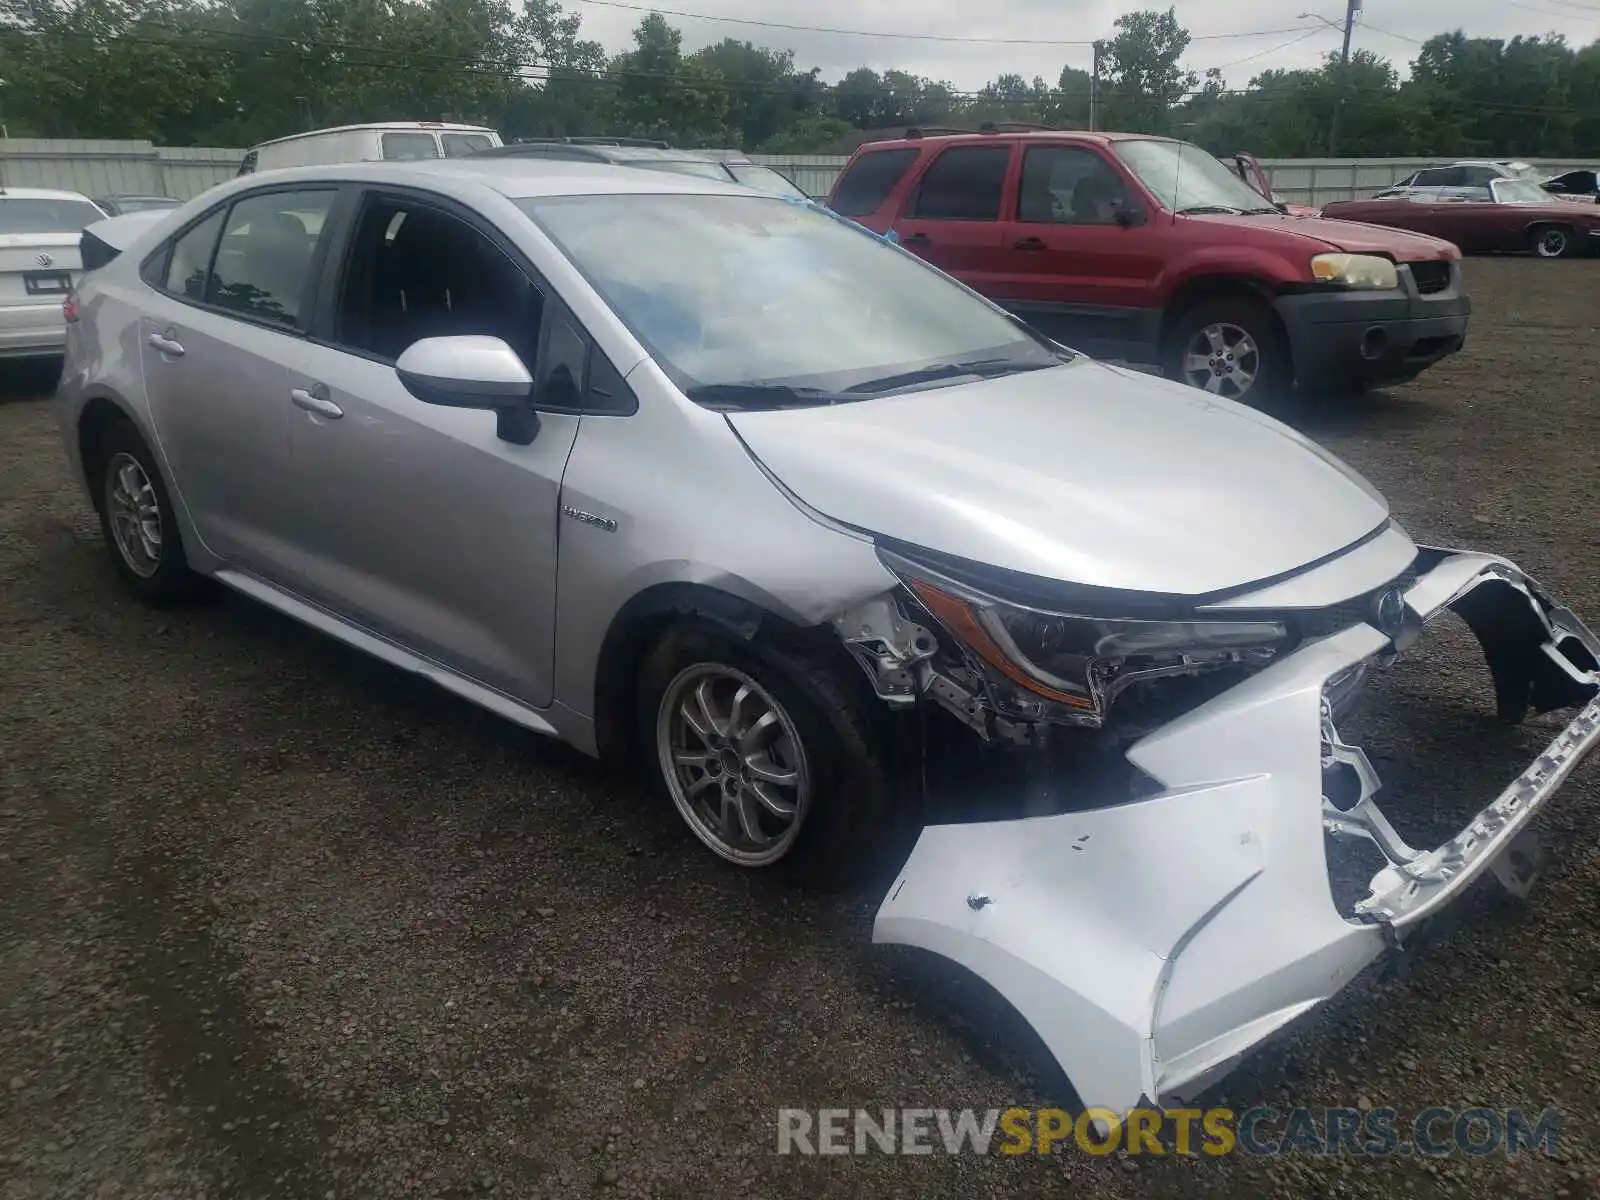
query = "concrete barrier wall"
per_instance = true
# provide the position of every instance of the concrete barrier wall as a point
(99, 168)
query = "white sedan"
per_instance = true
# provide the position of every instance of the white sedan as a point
(39, 266)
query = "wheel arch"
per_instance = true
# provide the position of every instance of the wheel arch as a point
(645, 618)
(100, 412)
(1539, 225)
(1201, 288)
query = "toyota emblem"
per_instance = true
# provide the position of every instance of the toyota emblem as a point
(1389, 612)
(44, 259)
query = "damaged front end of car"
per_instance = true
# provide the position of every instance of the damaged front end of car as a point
(1152, 937)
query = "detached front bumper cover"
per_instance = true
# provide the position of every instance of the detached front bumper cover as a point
(1151, 944)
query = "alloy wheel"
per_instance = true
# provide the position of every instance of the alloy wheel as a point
(733, 762)
(1552, 243)
(1222, 358)
(135, 514)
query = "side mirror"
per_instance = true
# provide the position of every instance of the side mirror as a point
(473, 371)
(1130, 214)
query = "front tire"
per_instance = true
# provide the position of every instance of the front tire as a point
(137, 519)
(1553, 241)
(766, 753)
(1231, 347)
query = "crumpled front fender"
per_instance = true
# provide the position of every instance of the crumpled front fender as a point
(1151, 944)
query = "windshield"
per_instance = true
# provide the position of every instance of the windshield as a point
(29, 214)
(1521, 170)
(750, 301)
(767, 180)
(1185, 178)
(1518, 191)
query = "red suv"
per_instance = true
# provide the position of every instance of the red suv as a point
(1149, 250)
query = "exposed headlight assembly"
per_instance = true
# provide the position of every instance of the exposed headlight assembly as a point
(1070, 667)
(1359, 271)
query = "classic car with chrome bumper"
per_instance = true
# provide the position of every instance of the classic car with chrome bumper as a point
(1152, 943)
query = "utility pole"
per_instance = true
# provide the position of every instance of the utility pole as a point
(1094, 87)
(1352, 8)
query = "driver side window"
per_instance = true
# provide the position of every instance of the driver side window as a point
(415, 271)
(1068, 185)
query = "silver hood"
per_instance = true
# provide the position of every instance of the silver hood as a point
(1085, 473)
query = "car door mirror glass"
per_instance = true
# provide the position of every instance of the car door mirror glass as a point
(472, 371)
(1131, 214)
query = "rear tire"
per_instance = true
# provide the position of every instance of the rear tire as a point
(138, 520)
(1231, 347)
(1553, 241)
(805, 790)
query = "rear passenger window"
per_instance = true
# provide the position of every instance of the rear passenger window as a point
(459, 145)
(263, 267)
(964, 184)
(868, 181)
(188, 269)
(408, 147)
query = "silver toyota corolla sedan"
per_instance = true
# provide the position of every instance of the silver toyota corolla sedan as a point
(667, 468)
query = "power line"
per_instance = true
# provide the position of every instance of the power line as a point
(906, 37)
(1294, 41)
(1560, 16)
(1403, 37)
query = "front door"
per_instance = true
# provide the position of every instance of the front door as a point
(224, 321)
(423, 526)
(1069, 267)
(952, 216)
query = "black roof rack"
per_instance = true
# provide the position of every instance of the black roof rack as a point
(651, 143)
(998, 126)
(919, 131)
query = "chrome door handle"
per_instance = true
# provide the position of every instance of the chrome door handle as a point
(312, 402)
(166, 345)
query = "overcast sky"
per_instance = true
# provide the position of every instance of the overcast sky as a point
(1032, 25)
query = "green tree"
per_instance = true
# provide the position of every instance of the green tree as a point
(658, 93)
(765, 93)
(1145, 82)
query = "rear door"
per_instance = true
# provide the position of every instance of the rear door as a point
(1067, 265)
(951, 217)
(233, 293)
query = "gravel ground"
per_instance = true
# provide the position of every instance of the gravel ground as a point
(276, 921)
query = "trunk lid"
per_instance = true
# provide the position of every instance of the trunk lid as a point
(1084, 473)
(36, 268)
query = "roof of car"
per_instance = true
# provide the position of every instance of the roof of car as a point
(916, 137)
(514, 177)
(27, 193)
(382, 127)
(596, 152)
